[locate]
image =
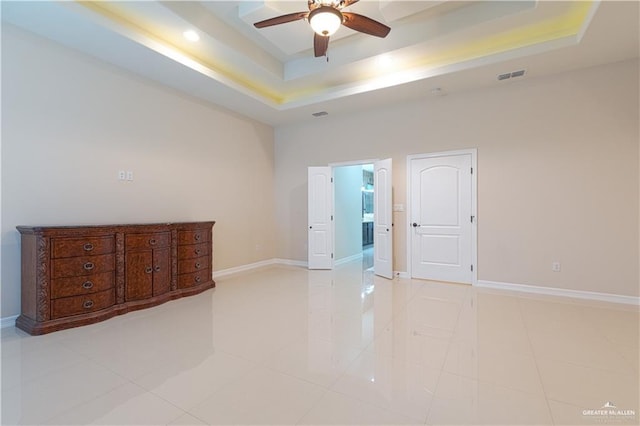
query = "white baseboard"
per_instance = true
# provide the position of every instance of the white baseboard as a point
(347, 259)
(8, 321)
(243, 268)
(561, 292)
(250, 266)
(291, 262)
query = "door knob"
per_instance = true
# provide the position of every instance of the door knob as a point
(415, 225)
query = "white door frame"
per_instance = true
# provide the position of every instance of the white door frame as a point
(474, 206)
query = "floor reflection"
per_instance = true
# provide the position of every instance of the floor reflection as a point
(284, 345)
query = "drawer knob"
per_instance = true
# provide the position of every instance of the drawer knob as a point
(152, 241)
(88, 266)
(148, 269)
(87, 285)
(198, 278)
(198, 251)
(198, 265)
(156, 268)
(197, 237)
(88, 247)
(88, 304)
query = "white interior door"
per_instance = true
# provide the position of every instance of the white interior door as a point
(383, 219)
(441, 218)
(320, 252)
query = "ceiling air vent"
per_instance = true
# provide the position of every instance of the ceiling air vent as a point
(320, 114)
(512, 74)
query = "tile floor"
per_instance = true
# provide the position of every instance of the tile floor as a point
(283, 345)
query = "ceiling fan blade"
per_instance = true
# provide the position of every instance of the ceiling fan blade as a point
(281, 19)
(320, 45)
(365, 25)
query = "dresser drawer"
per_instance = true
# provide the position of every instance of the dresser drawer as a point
(147, 241)
(76, 286)
(194, 278)
(193, 265)
(84, 265)
(70, 247)
(193, 250)
(193, 236)
(77, 305)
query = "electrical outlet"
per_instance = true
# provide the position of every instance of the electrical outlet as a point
(129, 175)
(121, 175)
(555, 266)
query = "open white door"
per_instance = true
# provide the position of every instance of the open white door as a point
(320, 252)
(383, 219)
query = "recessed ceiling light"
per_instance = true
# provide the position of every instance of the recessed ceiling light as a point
(191, 35)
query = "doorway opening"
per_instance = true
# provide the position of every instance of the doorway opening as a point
(321, 211)
(354, 213)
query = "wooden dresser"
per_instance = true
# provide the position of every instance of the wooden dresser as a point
(77, 275)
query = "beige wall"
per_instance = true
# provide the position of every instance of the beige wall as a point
(70, 123)
(557, 173)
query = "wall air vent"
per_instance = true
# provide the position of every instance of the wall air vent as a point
(509, 75)
(320, 114)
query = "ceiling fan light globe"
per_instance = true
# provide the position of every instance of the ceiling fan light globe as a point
(325, 20)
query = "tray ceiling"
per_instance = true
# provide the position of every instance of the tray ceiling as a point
(271, 73)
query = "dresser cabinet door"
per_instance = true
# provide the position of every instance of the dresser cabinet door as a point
(161, 271)
(148, 273)
(139, 266)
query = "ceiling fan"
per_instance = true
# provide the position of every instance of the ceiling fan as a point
(325, 17)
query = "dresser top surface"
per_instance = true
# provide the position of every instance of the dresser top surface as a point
(111, 227)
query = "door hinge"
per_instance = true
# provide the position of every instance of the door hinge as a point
(472, 170)
(331, 180)
(472, 217)
(332, 255)
(331, 217)
(471, 268)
